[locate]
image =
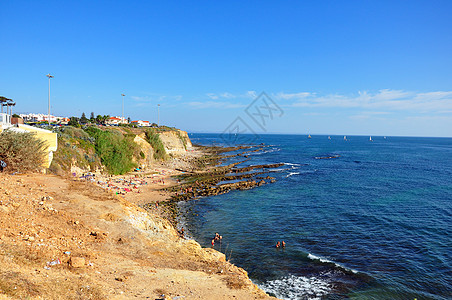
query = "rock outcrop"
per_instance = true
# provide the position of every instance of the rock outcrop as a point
(175, 141)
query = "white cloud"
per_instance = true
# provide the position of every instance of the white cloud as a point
(384, 99)
(291, 96)
(214, 104)
(251, 94)
(225, 95)
(142, 100)
(212, 96)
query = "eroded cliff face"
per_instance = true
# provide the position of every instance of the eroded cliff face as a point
(146, 149)
(176, 142)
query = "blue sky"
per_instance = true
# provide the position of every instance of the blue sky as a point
(331, 67)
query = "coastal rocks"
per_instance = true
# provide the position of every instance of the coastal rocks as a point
(191, 247)
(4, 209)
(141, 220)
(211, 190)
(77, 262)
(249, 168)
(110, 217)
(216, 255)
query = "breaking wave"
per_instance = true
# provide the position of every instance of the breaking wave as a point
(327, 261)
(297, 287)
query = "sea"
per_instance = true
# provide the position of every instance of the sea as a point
(360, 219)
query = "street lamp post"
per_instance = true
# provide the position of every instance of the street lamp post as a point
(49, 76)
(122, 108)
(158, 115)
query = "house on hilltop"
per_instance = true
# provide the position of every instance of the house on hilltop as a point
(141, 123)
(116, 121)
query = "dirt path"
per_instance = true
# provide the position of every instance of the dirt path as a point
(61, 238)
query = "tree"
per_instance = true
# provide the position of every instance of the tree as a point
(128, 120)
(74, 121)
(105, 118)
(99, 119)
(4, 100)
(83, 119)
(92, 118)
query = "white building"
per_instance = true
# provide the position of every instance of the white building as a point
(5, 119)
(39, 118)
(116, 121)
(141, 123)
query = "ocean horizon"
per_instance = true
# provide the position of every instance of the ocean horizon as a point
(361, 219)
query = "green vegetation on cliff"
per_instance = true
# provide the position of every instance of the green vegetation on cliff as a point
(75, 147)
(111, 149)
(115, 149)
(154, 139)
(93, 149)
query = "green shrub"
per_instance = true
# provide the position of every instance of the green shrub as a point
(22, 151)
(156, 143)
(72, 150)
(115, 150)
(75, 132)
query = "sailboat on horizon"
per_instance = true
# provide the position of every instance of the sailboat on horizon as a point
(370, 139)
(345, 137)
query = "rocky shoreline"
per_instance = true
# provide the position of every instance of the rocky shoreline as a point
(210, 179)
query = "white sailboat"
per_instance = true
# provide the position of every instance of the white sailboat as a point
(329, 137)
(345, 137)
(370, 139)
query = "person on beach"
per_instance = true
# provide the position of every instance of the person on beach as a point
(217, 237)
(181, 232)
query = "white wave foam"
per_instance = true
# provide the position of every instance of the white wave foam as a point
(324, 260)
(292, 173)
(291, 164)
(270, 150)
(278, 170)
(297, 287)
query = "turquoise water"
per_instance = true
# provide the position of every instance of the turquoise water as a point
(374, 223)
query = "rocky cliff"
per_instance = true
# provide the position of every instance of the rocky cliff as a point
(82, 151)
(176, 141)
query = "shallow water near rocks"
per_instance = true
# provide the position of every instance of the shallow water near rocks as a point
(373, 223)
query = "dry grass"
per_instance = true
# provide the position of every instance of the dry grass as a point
(22, 151)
